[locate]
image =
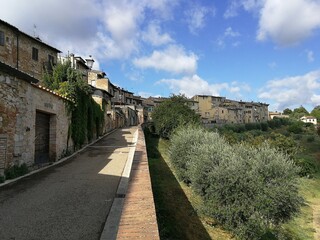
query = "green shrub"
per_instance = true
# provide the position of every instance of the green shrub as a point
(252, 190)
(207, 157)
(264, 126)
(284, 144)
(16, 171)
(252, 126)
(307, 168)
(184, 148)
(249, 190)
(296, 127)
(310, 138)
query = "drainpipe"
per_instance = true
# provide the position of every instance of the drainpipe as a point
(17, 50)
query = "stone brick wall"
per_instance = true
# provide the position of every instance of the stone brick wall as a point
(17, 51)
(20, 100)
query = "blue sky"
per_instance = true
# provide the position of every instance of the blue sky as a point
(250, 50)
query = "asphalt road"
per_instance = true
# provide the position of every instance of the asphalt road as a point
(70, 200)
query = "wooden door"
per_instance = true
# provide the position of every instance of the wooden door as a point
(42, 138)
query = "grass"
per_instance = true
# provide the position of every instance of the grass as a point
(176, 206)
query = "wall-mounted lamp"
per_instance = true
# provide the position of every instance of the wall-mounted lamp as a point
(90, 61)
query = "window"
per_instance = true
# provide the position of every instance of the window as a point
(50, 59)
(35, 52)
(1, 38)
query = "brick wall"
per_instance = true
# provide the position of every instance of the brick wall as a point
(20, 101)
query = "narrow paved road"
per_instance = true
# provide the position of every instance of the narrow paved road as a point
(68, 201)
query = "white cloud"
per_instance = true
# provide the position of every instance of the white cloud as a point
(236, 5)
(285, 22)
(195, 17)
(148, 94)
(293, 91)
(195, 85)
(230, 33)
(153, 35)
(288, 22)
(173, 59)
(105, 29)
(310, 56)
(272, 65)
(232, 10)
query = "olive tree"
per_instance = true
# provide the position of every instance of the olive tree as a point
(247, 189)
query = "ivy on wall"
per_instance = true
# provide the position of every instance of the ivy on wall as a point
(87, 117)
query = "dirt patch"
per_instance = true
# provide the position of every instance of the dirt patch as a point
(316, 220)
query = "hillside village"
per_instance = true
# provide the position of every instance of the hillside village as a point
(34, 122)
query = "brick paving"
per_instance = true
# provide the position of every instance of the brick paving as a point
(138, 219)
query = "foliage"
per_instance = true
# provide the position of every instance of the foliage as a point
(172, 113)
(16, 171)
(296, 127)
(87, 116)
(283, 143)
(249, 190)
(278, 122)
(2, 179)
(299, 112)
(287, 111)
(316, 113)
(177, 206)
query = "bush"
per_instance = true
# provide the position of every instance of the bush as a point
(16, 171)
(296, 127)
(310, 138)
(252, 126)
(285, 144)
(248, 190)
(307, 168)
(253, 190)
(264, 126)
(185, 143)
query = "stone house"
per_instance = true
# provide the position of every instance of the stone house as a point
(77, 63)
(309, 119)
(277, 115)
(33, 121)
(220, 110)
(25, 53)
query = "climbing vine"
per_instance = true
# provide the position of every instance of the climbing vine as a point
(87, 117)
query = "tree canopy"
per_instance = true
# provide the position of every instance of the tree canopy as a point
(316, 112)
(172, 113)
(299, 112)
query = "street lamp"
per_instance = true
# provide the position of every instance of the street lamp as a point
(90, 61)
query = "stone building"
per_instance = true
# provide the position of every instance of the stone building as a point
(33, 121)
(123, 103)
(25, 53)
(219, 110)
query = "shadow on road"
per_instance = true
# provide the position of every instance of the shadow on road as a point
(67, 201)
